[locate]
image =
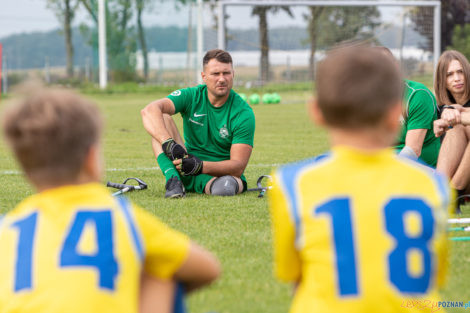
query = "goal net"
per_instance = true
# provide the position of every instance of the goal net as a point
(282, 40)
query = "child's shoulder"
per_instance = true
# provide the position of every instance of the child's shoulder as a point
(301, 164)
(291, 170)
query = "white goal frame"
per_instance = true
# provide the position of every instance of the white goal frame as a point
(424, 3)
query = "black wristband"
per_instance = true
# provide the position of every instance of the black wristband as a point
(191, 166)
(448, 107)
(173, 150)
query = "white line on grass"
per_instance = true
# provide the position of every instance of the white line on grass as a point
(458, 220)
(9, 172)
(142, 169)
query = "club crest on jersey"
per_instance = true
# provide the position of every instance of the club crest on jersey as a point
(223, 132)
(176, 93)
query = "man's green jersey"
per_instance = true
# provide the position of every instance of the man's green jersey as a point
(420, 111)
(209, 131)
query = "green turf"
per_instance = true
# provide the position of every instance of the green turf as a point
(237, 229)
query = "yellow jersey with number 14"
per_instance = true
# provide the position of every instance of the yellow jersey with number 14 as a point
(359, 232)
(78, 249)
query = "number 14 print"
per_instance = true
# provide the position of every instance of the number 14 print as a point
(103, 260)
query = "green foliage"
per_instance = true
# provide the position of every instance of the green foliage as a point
(338, 24)
(427, 80)
(65, 11)
(29, 50)
(59, 8)
(453, 12)
(461, 39)
(329, 26)
(121, 37)
(236, 229)
(121, 40)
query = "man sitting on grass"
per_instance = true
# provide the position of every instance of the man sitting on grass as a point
(359, 229)
(72, 247)
(219, 128)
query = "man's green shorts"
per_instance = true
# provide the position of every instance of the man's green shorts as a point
(199, 182)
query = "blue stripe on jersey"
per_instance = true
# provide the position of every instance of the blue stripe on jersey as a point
(419, 161)
(439, 179)
(289, 175)
(321, 156)
(442, 186)
(125, 208)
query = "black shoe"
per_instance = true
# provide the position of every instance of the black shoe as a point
(461, 201)
(174, 188)
(457, 208)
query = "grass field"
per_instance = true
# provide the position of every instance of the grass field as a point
(237, 229)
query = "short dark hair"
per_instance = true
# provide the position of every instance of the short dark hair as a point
(357, 86)
(219, 55)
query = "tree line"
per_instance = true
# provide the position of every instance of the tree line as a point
(32, 50)
(126, 34)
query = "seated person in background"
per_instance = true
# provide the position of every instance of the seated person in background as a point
(219, 128)
(452, 87)
(416, 139)
(72, 247)
(376, 237)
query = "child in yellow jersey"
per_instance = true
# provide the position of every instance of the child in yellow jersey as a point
(359, 229)
(72, 247)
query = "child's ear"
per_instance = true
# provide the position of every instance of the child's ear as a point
(315, 113)
(393, 117)
(93, 166)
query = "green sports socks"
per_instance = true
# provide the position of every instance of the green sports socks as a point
(167, 167)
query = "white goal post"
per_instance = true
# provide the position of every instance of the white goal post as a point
(431, 3)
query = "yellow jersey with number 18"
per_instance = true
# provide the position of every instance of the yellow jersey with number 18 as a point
(78, 249)
(359, 232)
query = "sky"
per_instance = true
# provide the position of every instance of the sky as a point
(25, 16)
(19, 16)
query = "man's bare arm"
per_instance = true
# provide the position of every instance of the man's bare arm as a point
(239, 156)
(415, 139)
(152, 117)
